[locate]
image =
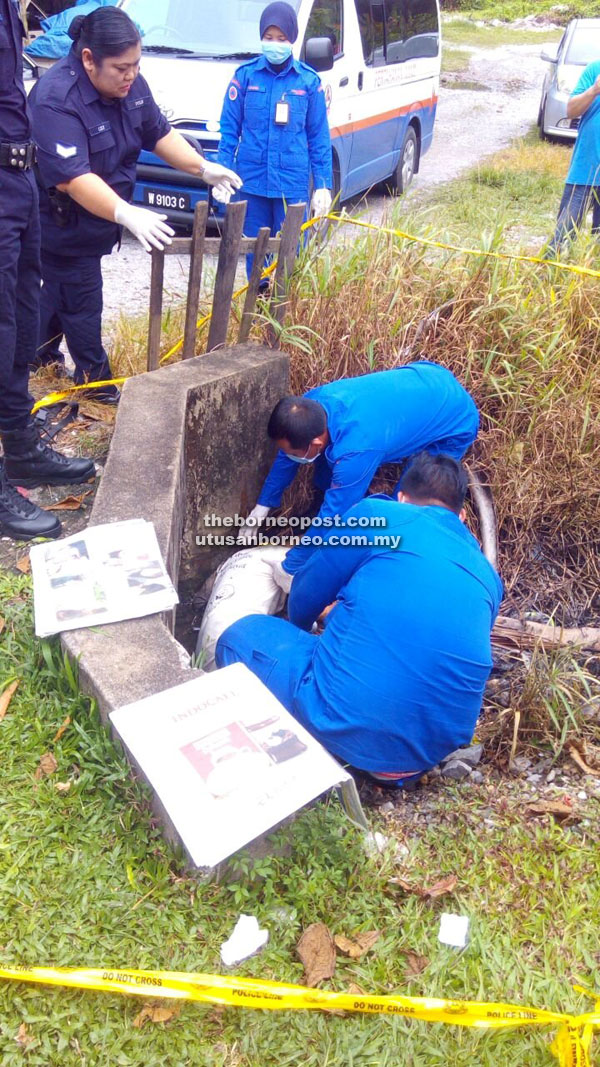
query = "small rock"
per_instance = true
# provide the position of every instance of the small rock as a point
(476, 777)
(551, 775)
(519, 764)
(456, 769)
(375, 843)
(471, 756)
(582, 795)
(535, 778)
(388, 806)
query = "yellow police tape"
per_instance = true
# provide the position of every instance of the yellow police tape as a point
(571, 1045)
(54, 398)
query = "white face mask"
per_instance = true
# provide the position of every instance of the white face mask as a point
(304, 458)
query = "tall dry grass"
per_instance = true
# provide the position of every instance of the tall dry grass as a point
(525, 340)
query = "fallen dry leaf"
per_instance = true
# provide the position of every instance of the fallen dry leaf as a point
(153, 1013)
(62, 787)
(317, 952)
(438, 889)
(415, 964)
(579, 757)
(562, 809)
(23, 564)
(46, 766)
(61, 729)
(2, 623)
(6, 697)
(355, 990)
(24, 1038)
(359, 945)
(68, 503)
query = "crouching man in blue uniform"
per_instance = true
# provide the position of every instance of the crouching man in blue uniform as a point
(349, 428)
(396, 680)
(27, 461)
(274, 129)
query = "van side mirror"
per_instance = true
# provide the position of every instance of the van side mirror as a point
(318, 53)
(549, 55)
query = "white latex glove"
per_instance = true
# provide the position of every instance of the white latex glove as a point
(321, 202)
(220, 177)
(221, 194)
(149, 227)
(281, 576)
(250, 529)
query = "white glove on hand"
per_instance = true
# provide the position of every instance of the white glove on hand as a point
(220, 178)
(321, 202)
(149, 227)
(281, 576)
(221, 194)
(249, 530)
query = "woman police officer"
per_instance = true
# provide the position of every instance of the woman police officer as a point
(92, 113)
(274, 128)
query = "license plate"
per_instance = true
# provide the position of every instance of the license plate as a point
(167, 201)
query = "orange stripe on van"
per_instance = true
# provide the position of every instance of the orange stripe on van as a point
(386, 116)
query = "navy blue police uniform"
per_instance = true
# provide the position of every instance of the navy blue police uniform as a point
(275, 134)
(19, 228)
(78, 132)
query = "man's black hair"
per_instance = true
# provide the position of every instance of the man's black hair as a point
(297, 419)
(435, 477)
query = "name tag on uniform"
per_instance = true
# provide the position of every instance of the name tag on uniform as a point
(282, 113)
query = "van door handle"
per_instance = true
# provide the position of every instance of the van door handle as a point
(360, 80)
(344, 81)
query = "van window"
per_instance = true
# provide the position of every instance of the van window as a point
(203, 28)
(370, 21)
(395, 31)
(326, 21)
(422, 30)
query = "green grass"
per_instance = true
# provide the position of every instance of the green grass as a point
(455, 60)
(465, 31)
(87, 880)
(515, 9)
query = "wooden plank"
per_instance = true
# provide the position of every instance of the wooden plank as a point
(229, 254)
(182, 246)
(194, 279)
(156, 302)
(288, 250)
(260, 247)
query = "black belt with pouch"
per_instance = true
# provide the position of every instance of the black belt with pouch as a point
(17, 156)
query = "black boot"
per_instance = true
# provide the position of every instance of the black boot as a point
(21, 518)
(30, 462)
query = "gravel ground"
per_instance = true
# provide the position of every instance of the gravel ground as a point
(470, 124)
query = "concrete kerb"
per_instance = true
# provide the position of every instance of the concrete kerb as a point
(189, 439)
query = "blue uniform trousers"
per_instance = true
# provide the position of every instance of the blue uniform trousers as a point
(262, 211)
(72, 298)
(19, 293)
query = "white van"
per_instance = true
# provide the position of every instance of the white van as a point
(379, 64)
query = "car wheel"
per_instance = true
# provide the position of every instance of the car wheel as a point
(407, 164)
(542, 121)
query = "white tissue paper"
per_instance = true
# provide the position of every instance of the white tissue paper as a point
(454, 930)
(246, 940)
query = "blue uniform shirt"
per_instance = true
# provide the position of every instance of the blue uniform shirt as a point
(397, 678)
(77, 132)
(14, 120)
(276, 160)
(585, 161)
(374, 419)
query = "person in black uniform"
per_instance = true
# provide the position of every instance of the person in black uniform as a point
(92, 114)
(26, 460)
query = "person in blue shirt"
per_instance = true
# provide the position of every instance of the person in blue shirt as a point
(582, 187)
(348, 428)
(274, 128)
(92, 114)
(27, 461)
(395, 682)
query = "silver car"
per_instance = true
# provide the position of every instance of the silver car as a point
(579, 45)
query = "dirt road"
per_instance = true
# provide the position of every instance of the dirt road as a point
(471, 124)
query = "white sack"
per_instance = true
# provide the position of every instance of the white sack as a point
(243, 585)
